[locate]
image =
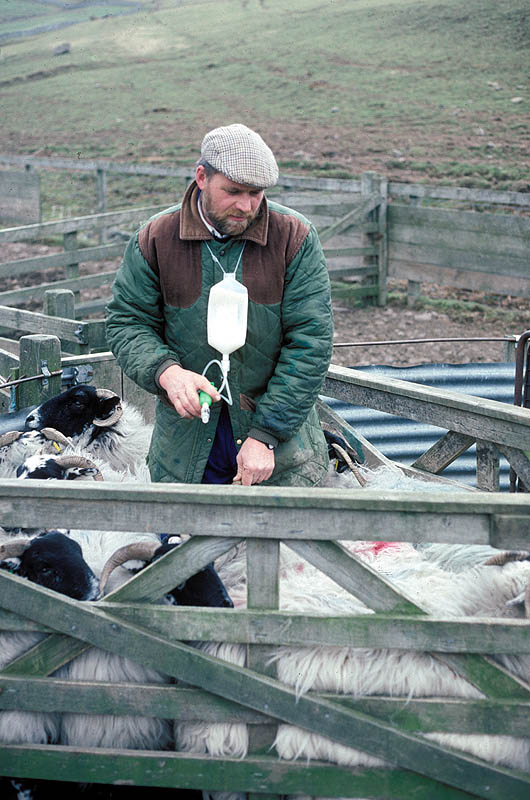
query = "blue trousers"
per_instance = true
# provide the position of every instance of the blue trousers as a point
(221, 466)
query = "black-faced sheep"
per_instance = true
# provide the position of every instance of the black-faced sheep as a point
(55, 561)
(98, 423)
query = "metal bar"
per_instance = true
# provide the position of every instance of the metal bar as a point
(427, 341)
(48, 374)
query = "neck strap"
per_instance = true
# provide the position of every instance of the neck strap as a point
(216, 260)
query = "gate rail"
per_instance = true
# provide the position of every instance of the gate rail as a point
(311, 522)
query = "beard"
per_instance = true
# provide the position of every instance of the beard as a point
(222, 222)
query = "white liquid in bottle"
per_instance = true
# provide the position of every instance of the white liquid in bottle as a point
(227, 315)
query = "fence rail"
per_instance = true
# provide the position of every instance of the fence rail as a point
(352, 232)
(364, 243)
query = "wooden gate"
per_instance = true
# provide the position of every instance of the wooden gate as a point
(310, 522)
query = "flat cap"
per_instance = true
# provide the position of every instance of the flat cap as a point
(241, 155)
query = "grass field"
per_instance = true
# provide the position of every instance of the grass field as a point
(417, 90)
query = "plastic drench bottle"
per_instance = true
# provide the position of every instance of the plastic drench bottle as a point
(227, 315)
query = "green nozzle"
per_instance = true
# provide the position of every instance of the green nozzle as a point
(206, 401)
(204, 397)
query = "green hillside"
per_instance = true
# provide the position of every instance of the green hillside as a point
(418, 90)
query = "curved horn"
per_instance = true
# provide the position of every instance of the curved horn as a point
(340, 450)
(15, 548)
(9, 437)
(116, 414)
(67, 462)
(500, 559)
(144, 551)
(56, 436)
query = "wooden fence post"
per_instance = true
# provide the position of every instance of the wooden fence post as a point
(413, 287)
(372, 182)
(383, 240)
(61, 303)
(101, 184)
(39, 354)
(71, 270)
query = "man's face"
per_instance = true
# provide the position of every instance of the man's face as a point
(230, 207)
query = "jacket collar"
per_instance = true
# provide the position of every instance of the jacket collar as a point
(193, 228)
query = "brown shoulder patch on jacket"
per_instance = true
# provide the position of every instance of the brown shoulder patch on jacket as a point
(264, 267)
(176, 262)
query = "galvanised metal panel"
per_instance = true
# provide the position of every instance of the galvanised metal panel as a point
(405, 440)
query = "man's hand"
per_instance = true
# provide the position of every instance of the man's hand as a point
(182, 387)
(255, 463)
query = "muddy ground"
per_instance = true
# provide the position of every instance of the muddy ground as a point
(441, 313)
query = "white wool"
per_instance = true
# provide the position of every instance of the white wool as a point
(386, 477)
(216, 739)
(295, 743)
(24, 727)
(391, 478)
(480, 591)
(124, 445)
(456, 557)
(103, 730)
(364, 672)
(507, 751)
(224, 796)
(303, 587)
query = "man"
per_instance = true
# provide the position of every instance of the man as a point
(157, 324)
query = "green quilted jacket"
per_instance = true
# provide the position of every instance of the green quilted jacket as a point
(158, 317)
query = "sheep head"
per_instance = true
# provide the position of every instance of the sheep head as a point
(63, 467)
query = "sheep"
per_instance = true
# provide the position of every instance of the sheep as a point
(99, 423)
(73, 464)
(112, 555)
(55, 561)
(293, 661)
(130, 732)
(479, 591)
(98, 547)
(52, 559)
(17, 446)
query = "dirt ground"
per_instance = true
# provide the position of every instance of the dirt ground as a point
(441, 313)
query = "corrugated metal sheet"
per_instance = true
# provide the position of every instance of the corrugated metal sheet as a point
(405, 440)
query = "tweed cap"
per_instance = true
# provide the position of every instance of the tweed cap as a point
(241, 155)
